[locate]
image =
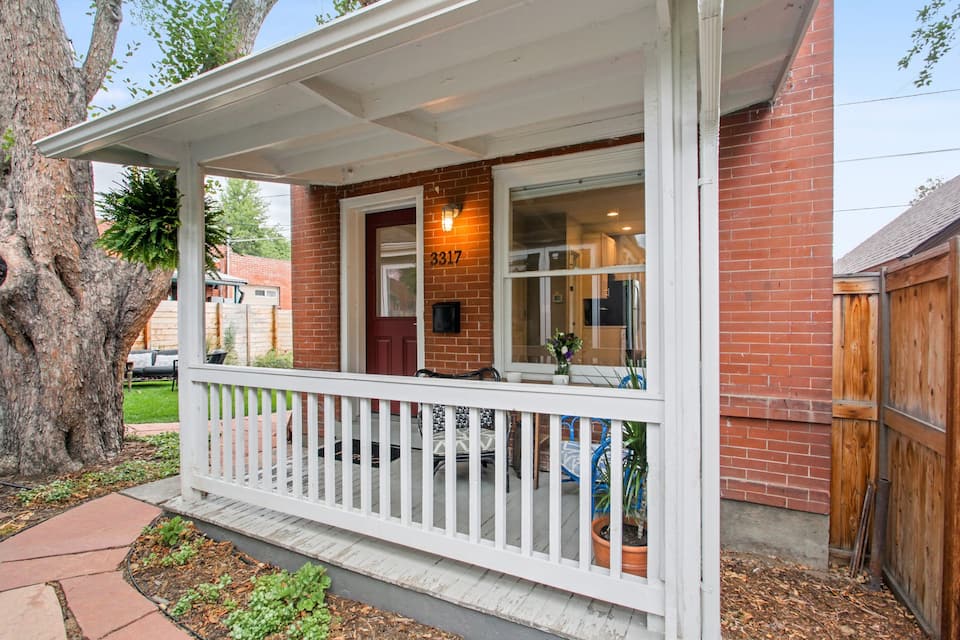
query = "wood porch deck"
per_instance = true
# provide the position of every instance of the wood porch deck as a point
(491, 593)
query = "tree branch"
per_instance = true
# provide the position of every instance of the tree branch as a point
(248, 17)
(106, 23)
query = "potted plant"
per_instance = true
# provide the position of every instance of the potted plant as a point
(562, 346)
(634, 540)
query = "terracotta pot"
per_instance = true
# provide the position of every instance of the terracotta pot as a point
(634, 558)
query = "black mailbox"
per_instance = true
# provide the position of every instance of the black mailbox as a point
(446, 317)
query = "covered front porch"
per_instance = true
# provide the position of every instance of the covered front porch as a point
(409, 86)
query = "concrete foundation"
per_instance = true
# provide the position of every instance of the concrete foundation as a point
(791, 535)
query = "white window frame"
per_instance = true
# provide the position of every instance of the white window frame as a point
(589, 164)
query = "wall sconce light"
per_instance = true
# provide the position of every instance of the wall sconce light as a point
(447, 215)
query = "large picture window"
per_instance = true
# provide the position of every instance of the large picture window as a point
(575, 259)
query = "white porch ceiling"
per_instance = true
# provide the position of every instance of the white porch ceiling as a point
(408, 85)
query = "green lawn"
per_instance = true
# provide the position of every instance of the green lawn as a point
(155, 402)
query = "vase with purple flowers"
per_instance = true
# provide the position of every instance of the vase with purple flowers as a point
(562, 346)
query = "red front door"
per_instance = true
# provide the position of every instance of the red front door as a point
(391, 277)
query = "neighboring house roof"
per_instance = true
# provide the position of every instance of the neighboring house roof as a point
(908, 233)
(217, 278)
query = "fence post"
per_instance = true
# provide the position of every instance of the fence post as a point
(274, 338)
(950, 598)
(219, 323)
(246, 319)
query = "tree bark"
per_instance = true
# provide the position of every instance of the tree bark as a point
(248, 17)
(68, 312)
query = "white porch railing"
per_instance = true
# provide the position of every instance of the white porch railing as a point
(463, 513)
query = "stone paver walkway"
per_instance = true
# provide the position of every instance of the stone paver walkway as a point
(82, 550)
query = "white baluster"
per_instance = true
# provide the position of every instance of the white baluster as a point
(366, 481)
(226, 401)
(313, 445)
(346, 443)
(213, 393)
(252, 445)
(475, 479)
(426, 452)
(586, 488)
(282, 442)
(406, 484)
(266, 439)
(501, 423)
(556, 519)
(450, 470)
(297, 442)
(329, 444)
(616, 498)
(239, 411)
(384, 459)
(526, 484)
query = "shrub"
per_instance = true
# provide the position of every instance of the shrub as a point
(275, 360)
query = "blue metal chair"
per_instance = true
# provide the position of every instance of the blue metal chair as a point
(570, 448)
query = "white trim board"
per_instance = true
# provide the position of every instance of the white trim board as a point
(353, 325)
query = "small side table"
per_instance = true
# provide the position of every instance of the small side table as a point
(128, 374)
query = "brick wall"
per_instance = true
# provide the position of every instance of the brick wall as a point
(776, 246)
(315, 213)
(265, 271)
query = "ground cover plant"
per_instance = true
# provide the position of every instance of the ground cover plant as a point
(218, 593)
(27, 501)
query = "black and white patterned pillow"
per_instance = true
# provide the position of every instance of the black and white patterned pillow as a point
(461, 418)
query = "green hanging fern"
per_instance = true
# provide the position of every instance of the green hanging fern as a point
(144, 217)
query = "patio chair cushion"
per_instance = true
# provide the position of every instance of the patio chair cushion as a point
(141, 359)
(165, 361)
(487, 438)
(570, 456)
(461, 417)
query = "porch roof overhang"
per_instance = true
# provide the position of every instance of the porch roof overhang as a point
(409, 85)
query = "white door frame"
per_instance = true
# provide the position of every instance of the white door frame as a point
(353, 317)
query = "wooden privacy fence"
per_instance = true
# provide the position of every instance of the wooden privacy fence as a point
(896, 384)
(253, 329)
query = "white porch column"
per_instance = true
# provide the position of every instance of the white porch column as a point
(190, 323)
(711, 49)
(672, 147)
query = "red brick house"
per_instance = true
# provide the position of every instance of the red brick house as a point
(776, 238)
(268, 279)
(546, 164)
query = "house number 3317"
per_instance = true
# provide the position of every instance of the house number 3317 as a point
(443, 258)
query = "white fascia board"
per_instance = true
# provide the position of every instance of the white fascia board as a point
(359, 35)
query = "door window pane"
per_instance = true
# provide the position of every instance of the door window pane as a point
(397, 271)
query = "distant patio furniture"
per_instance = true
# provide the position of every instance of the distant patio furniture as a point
(462, 424)
(151, 364)
(217, 356)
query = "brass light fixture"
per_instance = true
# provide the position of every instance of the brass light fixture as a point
(447, 215)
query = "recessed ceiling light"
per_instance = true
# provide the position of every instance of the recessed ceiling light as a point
(625, 228)
(612, 214)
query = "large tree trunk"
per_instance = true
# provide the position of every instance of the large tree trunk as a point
(68, 312)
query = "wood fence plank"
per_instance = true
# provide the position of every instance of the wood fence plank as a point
(950, 597)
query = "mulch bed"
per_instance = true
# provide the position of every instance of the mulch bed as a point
(15, 517)
(166, 585)
(768, 598)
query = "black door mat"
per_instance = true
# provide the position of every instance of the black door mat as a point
(374, 452)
